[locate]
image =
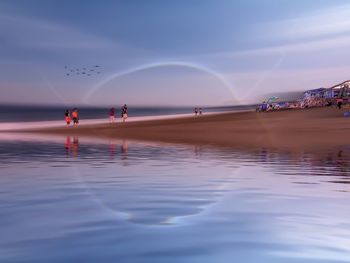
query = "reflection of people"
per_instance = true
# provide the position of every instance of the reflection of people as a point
(75, 116)
(112, 147)
(198, 150)
(124, 150)
(75, 146)
(68, 144)
(340, 158)
(67, 117)
(124, 153)
(112, 115)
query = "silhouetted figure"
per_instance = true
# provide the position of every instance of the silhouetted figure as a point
(339, 103)
(195, 111)
(200, 111)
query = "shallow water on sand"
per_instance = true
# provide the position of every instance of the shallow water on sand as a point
(72, 200)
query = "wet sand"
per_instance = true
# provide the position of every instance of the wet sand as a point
(304, 130)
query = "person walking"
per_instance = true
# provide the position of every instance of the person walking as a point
(339, 103)
(67, 118)
(75, 116)
(195, 111)
(124, 112)
(112, 115)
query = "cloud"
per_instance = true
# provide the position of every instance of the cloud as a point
(335, 43)
(326, 29)
(321, 23)
(33, 33)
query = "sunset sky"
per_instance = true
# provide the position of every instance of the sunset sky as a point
(170, 52)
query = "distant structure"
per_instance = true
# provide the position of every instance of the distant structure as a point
(338, 94)
(340, 90)
(327, 96)
(314, 93)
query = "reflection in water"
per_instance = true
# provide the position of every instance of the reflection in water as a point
(72, 149)
(68, 145)
(112, 150)
(198, 150)
(124, 152)
(75, 146)
(135, 202)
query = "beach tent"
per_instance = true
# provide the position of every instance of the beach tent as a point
(272, 99)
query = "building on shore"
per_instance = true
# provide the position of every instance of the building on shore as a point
(340, 90)
(314, 93)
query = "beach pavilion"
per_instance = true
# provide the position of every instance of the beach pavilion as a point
(340, 90)
(314, 93)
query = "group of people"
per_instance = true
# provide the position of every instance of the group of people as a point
(72, 115)
(124, 114)
(198, 111)
(267, 106)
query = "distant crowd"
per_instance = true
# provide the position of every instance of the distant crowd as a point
(301, 104)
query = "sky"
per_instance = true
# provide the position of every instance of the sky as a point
(170, 53)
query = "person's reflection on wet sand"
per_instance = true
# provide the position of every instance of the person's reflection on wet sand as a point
(68, 145)
(263, 155)
(343, 163)
(112, 150)
(198, 150)
(340, 158)
(124, 152)
(75, 146)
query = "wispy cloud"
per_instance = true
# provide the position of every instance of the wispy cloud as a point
(32, 33)
(325, 29)
(305, 46)
(321, 23)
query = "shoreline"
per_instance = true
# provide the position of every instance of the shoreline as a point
(39, 125)
(303, 130)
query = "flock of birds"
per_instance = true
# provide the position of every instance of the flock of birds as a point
(87, 71)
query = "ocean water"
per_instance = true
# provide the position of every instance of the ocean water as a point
(70, 199)
(20, 113)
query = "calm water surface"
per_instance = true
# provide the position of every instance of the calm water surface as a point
(73, 200)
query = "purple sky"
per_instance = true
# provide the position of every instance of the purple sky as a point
(170, 52)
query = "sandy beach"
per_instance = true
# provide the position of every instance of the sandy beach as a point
(307, 129)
